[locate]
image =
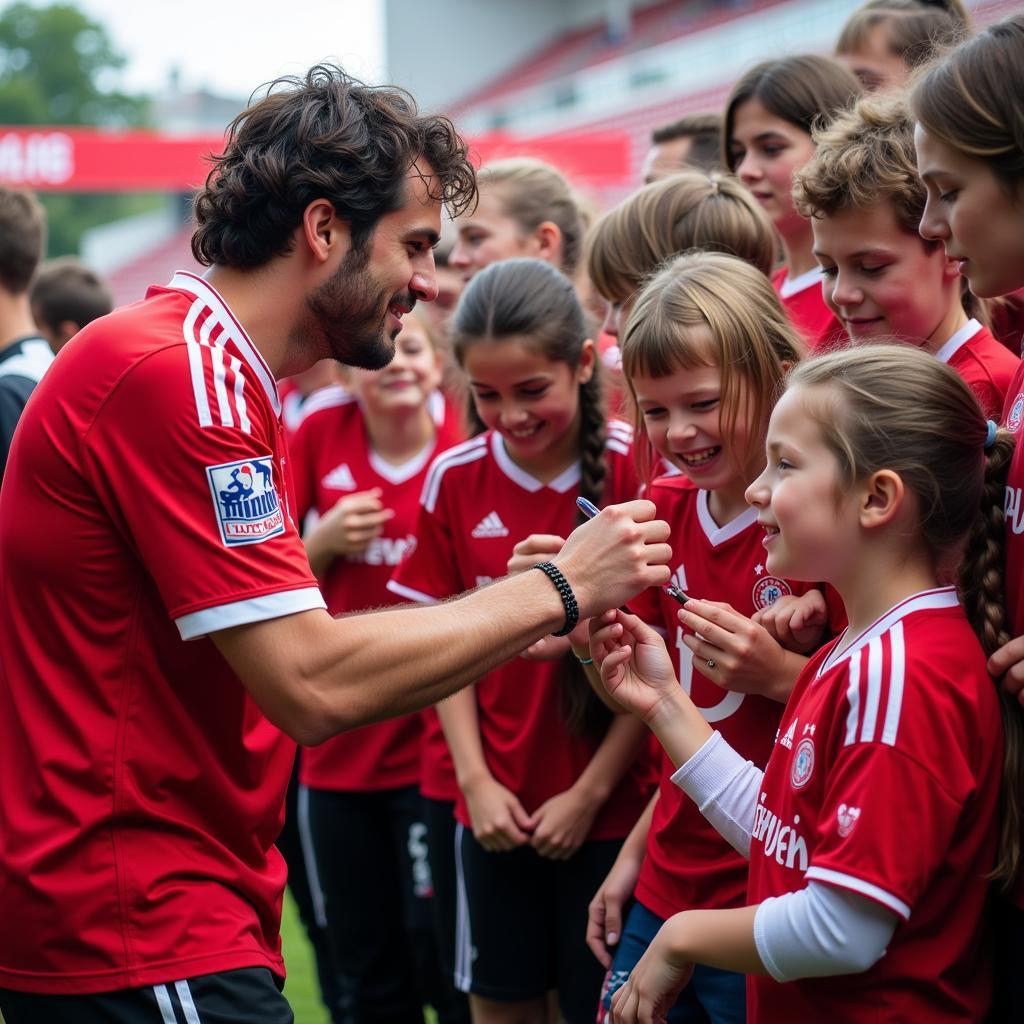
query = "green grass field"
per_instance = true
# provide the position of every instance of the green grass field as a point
(301, 986)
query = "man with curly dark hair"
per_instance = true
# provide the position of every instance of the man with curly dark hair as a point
(163, 640)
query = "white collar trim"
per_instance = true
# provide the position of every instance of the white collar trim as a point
(563, 482)
(720, 534)
(406, 471)
(202, 289)
(964, 335)
(941, 597)
(792, 285)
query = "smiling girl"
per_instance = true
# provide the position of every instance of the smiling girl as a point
(872, 833)
(768, 121)
(548, 785)
(704, 352)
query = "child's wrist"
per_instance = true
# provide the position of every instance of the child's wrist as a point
(679, 727)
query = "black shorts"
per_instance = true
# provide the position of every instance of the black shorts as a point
(249, 995)
(522, 923)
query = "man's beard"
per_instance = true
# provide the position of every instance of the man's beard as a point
(348, 313)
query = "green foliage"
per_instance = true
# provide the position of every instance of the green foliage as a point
(58, 66)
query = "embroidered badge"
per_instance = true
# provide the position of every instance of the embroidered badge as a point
(847, 817)
(245, 501)
(803, 764)
(767, 590)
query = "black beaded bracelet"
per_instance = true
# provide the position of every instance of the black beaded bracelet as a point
(572, 609)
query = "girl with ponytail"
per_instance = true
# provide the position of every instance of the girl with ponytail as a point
(874, 830)
(549, 782)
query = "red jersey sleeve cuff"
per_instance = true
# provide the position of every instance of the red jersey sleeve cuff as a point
(252, 609)
(858, 885)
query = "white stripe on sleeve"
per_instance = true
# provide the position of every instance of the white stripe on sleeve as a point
(253, 609)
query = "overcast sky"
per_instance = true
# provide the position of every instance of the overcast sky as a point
(232, 46)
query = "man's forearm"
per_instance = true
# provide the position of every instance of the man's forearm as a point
(315, 676)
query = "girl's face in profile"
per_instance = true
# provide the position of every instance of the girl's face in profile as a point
(974, 214)
(810, 527)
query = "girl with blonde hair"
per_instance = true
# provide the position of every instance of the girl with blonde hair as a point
(882, 471)
(704, 351)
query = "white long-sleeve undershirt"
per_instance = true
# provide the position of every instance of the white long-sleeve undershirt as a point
(817, 931)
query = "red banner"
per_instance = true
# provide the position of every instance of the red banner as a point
(51, 159)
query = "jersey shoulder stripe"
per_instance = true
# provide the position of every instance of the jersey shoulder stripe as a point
(620, 429)
(462, 454)
(874, 693)
(329, 397)
(218, 383)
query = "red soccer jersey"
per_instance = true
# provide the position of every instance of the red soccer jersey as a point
(807, 310)
(1007, 317)
(142, 788)
(885, 781)
(986, 366)
(477, 505)
(688, 864)
(1013, 511)
(332, 457)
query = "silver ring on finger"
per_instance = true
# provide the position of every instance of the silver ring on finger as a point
(711, 662)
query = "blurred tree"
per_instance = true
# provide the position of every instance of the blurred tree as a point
(58, 66)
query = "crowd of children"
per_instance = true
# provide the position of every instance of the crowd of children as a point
(815, 343)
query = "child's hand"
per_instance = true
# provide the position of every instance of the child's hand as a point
(353, 521)
(538, 547)
(798, 623)
(731, 650)
(604, 915)
(635, 665)
(561, 824)
(498, 818)
(1008, 662)
(548, 648)
(654, 984)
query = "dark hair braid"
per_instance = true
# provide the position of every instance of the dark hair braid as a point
(593, 433)
(982, 591)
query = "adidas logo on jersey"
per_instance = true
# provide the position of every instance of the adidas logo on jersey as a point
(787, 740)
(490, 526)
(340, 479)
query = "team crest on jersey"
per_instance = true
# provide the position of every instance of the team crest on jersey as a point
(1016, 417)
(847, 817)
(803, 764)
(245, 501)
(767, 590)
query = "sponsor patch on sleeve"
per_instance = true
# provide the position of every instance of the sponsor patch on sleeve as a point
(245, 501)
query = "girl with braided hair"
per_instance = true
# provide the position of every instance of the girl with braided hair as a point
(875, 828)
(549, 782)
